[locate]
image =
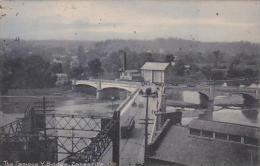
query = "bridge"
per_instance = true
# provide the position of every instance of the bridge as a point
(207, 93)
(33, 131)
(101, 85)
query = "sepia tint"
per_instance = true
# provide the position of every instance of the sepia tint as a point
(129, 83)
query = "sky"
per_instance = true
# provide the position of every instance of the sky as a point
(110, 19)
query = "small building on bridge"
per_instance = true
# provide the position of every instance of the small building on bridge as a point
(155, 72)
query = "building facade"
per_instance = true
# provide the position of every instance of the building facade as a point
(61, 79)
(131, 75)
(155, 72)
(207, 143)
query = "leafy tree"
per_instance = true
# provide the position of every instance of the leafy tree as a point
(38, 73)
(76, 72)
(56, 68)
(169, 58)
(147, 56)
(217, 57)
(113, 62)
(206, 70)
(250, 73)
(218, 75)
(4, 75)
(81, 55)
(179, 68)
(95, 67)
(26, 72)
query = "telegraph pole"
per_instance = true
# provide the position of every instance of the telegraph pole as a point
(148, 93)
(146, 128)
(44, 112)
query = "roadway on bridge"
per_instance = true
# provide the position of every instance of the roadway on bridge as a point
(132, 149)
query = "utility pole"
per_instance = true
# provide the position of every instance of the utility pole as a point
(44, 115)
(148, 93)
(146, 128)
(116, 139)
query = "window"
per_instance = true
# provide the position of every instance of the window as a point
(195, 132)
(208, 134)
(251, 141)
(221, 136)
(235, 138)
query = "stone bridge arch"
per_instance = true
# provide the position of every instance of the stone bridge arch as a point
(249, 100)
(88, 89)
(207, 94)
(118, 88)
(85, 85)
(116, 92)
(126, 87)
(204, 99)
(101, 85)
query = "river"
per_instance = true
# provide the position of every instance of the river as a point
(236, 115)
(71, 103)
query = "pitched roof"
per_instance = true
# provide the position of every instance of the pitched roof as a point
(179, 147)
(154, 66)
(227, 128)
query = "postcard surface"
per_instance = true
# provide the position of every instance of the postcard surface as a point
(130, 83)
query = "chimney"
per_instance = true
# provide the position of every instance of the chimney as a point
(124, 61)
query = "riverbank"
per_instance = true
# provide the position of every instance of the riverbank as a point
(65, 101)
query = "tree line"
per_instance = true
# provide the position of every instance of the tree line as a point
(189, 66)
(26, 72)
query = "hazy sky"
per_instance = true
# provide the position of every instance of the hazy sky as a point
(99, 20)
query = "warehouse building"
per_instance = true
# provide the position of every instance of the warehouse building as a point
(207, 143)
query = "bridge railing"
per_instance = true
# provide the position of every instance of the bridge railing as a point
(110, 81)
(229, 88)
(122, 105)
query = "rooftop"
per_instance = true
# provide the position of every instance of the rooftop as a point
(155, 66)
(131, 71)
(243, 117)
(178, 146)
(227, 128)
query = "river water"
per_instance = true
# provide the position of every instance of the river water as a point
(82, 104)
(72, 103)
(236, 115)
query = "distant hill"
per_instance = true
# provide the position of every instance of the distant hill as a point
(171, 45)
(175, 45)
